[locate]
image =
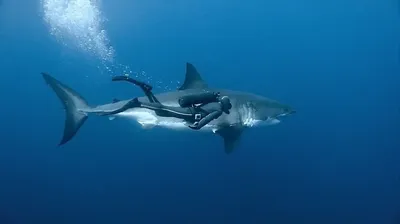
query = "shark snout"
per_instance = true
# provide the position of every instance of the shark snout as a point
(287, 111)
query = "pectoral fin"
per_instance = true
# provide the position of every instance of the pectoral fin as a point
(231, 136)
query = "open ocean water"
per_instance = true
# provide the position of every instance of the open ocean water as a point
(336, 161)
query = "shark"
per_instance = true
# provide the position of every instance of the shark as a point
(248, 110)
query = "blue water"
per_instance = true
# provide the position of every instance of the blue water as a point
(335, 161)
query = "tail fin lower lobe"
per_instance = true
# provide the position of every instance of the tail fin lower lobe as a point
(73, 104)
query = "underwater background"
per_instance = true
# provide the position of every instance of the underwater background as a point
(337, 160)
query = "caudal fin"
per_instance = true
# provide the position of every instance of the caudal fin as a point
(73, 104)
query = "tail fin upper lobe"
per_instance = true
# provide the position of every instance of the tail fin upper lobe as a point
(73, 104)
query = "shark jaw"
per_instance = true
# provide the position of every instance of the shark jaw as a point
(148, 119)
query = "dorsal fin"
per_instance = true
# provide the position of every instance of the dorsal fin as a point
(193, 79)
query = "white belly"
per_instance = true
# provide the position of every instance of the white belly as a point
(148, 119)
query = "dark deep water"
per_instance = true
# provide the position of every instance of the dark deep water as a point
(335, 161)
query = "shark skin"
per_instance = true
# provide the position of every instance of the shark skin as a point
(248, 110)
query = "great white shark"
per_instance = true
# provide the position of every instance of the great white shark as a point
(248, 110)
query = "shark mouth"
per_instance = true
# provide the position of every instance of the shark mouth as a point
(251, 122)
(248, 117)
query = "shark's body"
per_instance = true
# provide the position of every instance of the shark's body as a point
(248, 110)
